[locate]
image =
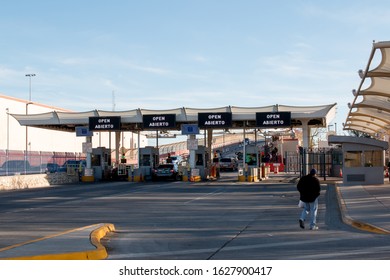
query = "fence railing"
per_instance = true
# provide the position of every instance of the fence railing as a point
(326, 162)
(31, 162)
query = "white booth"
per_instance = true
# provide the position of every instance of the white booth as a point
(363, 159)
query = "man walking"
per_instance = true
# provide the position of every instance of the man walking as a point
(309, 189)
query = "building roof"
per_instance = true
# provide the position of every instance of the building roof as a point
(132, 119)
(370, 110)
(19, 100)
(338, 139)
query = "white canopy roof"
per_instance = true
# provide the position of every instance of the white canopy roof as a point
(132, 119)
(370, 109)
(338, 139)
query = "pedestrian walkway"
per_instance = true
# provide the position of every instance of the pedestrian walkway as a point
(363, 207)
(366, 207)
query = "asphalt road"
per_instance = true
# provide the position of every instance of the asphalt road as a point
(180, 220)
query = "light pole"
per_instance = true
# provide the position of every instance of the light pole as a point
(7, 110)
(30, 76)
(29, 102)
(7, 154)
(26, 152)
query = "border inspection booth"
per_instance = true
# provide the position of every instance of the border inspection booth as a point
(222, 119)
(363, 159)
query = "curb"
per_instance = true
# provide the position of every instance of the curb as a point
(96, 235)
(354, 223)
(96, 254)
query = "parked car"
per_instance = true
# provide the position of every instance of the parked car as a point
(50, 167)
(18, 167)
(228, 164)
(71, 163)
(166, 171)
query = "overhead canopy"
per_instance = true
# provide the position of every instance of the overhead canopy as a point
(370, 109)
(338, 139)
(132, 120)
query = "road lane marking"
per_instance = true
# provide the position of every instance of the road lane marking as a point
(217, 192)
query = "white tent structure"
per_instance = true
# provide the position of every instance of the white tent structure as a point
(243, 118)
(370, 110)
(131, 120)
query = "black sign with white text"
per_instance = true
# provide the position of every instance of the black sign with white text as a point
(157, 122)
(104, 123)
(214, 120)
(273, 119)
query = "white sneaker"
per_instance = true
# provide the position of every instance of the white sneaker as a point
(314, 228)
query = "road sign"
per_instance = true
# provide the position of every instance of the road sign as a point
(273, 119)
(189, 129)
(215, 120)
(161, 121)
(192, 144)
(83, 131)
(104, 123)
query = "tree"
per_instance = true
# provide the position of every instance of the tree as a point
(357, 133)
(316, 135)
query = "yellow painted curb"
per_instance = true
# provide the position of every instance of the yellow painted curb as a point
(96, 235)
(354, 223)
(87, 178)
(241, 178)
(137, 179)
(195, 178)
(97, 254)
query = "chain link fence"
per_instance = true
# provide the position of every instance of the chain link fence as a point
(14, 162)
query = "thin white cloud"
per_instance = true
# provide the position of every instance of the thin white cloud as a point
(104, 61)
(200, 58)
(153, 70)
(109, 84)
(7, 73)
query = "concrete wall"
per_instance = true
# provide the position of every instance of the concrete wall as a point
(36, 181)
(363, 176)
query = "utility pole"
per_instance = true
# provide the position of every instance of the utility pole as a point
(28, 103)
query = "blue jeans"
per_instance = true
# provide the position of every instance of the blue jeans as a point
(311, 207)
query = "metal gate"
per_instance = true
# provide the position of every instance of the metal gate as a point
(327, 162)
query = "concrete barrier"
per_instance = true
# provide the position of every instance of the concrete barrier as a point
(17, 182)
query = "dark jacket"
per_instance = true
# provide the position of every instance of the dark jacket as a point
(309, 188)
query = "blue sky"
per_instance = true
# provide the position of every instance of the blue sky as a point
(200, 54)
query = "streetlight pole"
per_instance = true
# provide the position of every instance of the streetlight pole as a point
(30, 75)
(7, 154)
(7, 110)
(29, 102)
